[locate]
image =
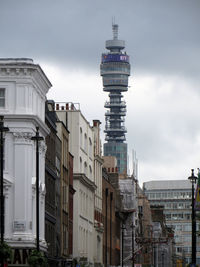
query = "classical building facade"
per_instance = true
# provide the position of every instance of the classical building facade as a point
(98, 217)
(23, 89)
(81, 145)
(63, 135)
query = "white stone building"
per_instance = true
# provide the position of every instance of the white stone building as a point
(23, 89)
(98, 219)
(81, 146)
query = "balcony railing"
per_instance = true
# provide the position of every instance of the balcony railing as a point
(116, 138)
(120, 113)
(110, 81)
(115, 88)
(115, 129)
(112, 104)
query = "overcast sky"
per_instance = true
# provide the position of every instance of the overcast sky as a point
(67, 37)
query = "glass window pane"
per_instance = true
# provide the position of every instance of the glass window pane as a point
(2, 92)
(2, 102)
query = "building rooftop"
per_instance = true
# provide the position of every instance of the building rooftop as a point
(16, 61)
(167, 184)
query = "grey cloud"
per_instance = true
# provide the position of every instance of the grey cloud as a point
(161, 36)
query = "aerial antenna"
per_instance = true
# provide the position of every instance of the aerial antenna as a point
(115, 29)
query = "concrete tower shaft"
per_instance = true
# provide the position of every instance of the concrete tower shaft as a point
(115, 70)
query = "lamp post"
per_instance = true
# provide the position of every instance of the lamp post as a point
(133, 260)
(162, 258)
(193, 179)
(37, 138)
(106, 229)
(111, 199)
(2, 130)
(123, 228)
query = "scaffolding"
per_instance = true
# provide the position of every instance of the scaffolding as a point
(127, 188)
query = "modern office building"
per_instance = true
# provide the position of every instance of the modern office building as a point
(115, 70)
(175, 196)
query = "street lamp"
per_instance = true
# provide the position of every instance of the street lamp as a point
(123, 228)
(106, 229)
(2, 130)
(37, 138)
(133, 260)
(193, 179)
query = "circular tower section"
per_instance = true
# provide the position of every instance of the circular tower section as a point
(115, 70)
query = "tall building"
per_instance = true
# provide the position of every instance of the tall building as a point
(175, 196)
(23, 89)
(63, 135)
(111, 245)
(115, 70)
(81, 146)
(98, 217)
(52, 199)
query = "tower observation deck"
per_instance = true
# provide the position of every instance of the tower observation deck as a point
(115, 70)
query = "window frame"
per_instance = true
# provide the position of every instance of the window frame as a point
(3, 97)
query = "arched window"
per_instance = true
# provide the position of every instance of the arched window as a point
(85, 142)
(98, 247)
(81, 167)
(90, 169)
(81, 137)
(90, 147)
(85, 168)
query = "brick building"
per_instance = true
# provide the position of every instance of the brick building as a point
(111, 244)
(51, 215)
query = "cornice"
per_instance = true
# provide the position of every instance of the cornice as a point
(35, 120)
(84, 180)
(99, 159)
(18, 73)
(22, 137)
(12, 67)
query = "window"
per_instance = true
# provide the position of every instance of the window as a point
(187, 238)
(2, 97)
(179, 227)
(85, 168)
(90, 168)
(85, 142)
(80, 164)
(90, 147)
(180, 205)
(187, 227)
(81, 137)
(179, 249)
(168, 205)
(168, 216)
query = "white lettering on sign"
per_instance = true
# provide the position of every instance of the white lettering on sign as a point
(19, 225)
(123, 57)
